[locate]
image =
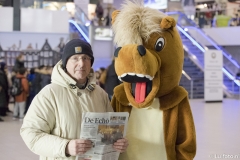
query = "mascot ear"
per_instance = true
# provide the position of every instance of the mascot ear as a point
(167, 22)
(114, 15)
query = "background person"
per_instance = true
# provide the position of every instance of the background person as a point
(111, 79)
(20, 100)
(4, 97)
(19, 62)
(99, 11)
(30, 78)
(52, 125)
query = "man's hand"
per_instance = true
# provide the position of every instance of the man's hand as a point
(121, 145)
(78, 146)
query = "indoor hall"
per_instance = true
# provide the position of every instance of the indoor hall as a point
(217, 123)
(217, 128)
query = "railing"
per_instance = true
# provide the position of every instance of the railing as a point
(200, 65)
(233, 85)
(80, 17)
(81, 22)
(229, 63)
(203, 40)
(191, 24)
(183, 24)
(80, 30)
(182, 19)
(191, 83)
(234, 19)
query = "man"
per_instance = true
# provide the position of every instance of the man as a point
(52, 125)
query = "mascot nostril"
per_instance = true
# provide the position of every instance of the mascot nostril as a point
(117, 51)
(141, 49)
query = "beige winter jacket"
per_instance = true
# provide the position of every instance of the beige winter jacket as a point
(54, 117)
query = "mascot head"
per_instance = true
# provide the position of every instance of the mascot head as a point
(149, 57)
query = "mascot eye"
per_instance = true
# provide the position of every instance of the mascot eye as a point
(159, 44)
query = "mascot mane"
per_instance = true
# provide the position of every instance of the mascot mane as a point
(149, 56)
(140, 25)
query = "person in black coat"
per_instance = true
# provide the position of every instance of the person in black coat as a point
(111, 80)
(30, 78)
(46, 76)
(4, 97)
(36, 83)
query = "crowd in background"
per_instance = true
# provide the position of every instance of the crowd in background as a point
(34, 79)
(216, 15)
(102, 15)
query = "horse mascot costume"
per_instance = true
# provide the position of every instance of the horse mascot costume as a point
(149, 61)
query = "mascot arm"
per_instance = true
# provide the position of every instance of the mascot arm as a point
(119, 107)
(115, 104)
(186, 135)
(119, 100)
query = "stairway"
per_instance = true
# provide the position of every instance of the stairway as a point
(79, 30)
(79, 24)
(196, 51)
(233, 87)
(195, 86)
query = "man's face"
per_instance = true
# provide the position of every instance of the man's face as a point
(78, 67)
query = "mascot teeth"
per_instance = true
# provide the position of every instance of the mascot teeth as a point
(140, 75)
(120, 79)
(133, 77)
(123, 75)
(131, 74)
(149, 77)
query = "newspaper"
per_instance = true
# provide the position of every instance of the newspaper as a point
(103, 129)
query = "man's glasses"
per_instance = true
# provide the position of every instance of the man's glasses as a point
(83, 58)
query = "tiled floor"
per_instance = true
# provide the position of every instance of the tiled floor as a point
(12, 146)
(217, 126)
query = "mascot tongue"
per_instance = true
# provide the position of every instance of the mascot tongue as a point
(140, 92)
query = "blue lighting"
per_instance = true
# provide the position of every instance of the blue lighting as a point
(195, 26)
(80, 30)
(231, 77)
(203, 50)
(227, 73)
(191, 39)
(216, 46)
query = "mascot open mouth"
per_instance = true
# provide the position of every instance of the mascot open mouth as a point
(141, 85)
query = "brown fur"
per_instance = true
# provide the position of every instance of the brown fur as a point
(164, 66)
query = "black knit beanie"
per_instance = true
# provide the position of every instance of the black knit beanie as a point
(76, 46)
